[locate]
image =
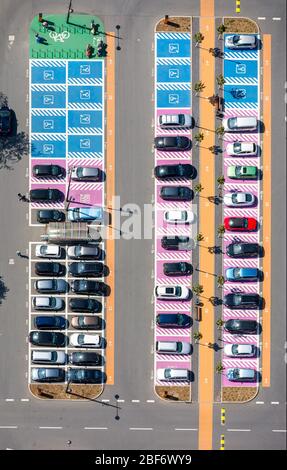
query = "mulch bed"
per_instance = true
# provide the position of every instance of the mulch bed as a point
(238, 394)
(58, 392)
(175, 23)
(175, 394)
(240, 25)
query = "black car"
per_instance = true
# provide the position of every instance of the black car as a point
(241, 326)
(172, 143)
(46, 195)
(180, 242)
(238, 300)
(50, 322)
(47, 338)
(82, 286)
(52, 171)
(177, 269)
(86, 358)
(85, 305)
(92, 376)
(5, 120)
(243, 250)
(176, 193)
(95, 269)
(173, 320)
(180, 170)
(50, 215)
(49, 269)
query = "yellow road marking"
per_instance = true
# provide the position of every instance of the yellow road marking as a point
(266, 150)
(222, 442)
(222, 416)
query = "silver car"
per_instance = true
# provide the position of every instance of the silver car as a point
(239, 199)
(84, 252)
(47, 375)
(240, 350)
(167, 121)
(48, 303)
(241, 41)
(83, 173)
(48, 357)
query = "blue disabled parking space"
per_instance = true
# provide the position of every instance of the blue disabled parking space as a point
(48, 123)
(173, 99)
(173, 73)
(48, 71)
(241, 94)
(50, 148)
(92, 144)
(241, 69)
(173, 44)
(80, 71)
(84, 119)
(85, 94)
(48, 98)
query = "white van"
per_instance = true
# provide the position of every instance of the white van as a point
(173, 374)
(48, 357)
(239, 124)
(173, 347)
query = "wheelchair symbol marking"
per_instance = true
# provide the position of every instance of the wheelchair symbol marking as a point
(48, 124)
(173, 98)
(85, 118)
(85, 143)
(48, 148)
(240, 68)
(48, 99)
(85, 94)
(173, 48)
(48, 75)
(85, 69)
(173, 73)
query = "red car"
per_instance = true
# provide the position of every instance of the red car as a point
(240, 224)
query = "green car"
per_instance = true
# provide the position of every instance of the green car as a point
(242, 172)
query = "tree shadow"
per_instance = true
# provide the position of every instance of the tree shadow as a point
(3, 290)
(13, 148)
(215, 200)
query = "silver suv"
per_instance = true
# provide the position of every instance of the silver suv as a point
(241, 41)
(48, 303)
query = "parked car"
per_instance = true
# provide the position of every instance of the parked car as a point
(177, 269)
(82, 340)
(48, 251)
(92, 269)
(44, 216)
(43, 171)
(242, 172)
(173, 347)
(86, 174)
(84, 252)
(241, 375)
(86, 358)
(177, 242)
(172, 292)
(92, 376)
(243, 327)
(171, 374)
(77, 304)
(48, 303)
(47, 322)
(240, 350)
(52, 374)
(238, 199)
(240, 124)
(242, 149)
(241, 41)
(170, 121)
(173, 320)
(243, 250)
(240, 300)
(82, 286)
(240, 224)
(48, 357)
(179, 217)
(176, 193)
(242, 274)
(83, 322)
(86, 214)
(45, 286)
(172, 143)
(47, 338)
(5, 120)
(180, 170)
(49, 269)
(46, 195)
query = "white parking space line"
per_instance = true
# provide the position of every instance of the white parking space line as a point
(279, 430)
(25, 399)
(10, 399)
(8, 427)
(120, 401)
(50, 427)
(274, 402)
(135, 401)
(141, 429)
(261, 18)
(97, 429)
(185, 429)
(260, 403)
(239, 430)
(150, 401)
(276, 19)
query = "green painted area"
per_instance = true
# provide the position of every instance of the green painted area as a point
(64, 40)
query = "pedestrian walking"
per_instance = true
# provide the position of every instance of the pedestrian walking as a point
(18, 253)
(69, 442)
(45, 24)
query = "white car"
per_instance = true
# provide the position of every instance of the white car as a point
(179, 217)
(239, 199)
(240, 350)
(167, 121)
(240, 124)
(86, 341)
(173, 374)
(241, 149)
(48, 251)
(241, 41)
(83, 173)
(173, 347)
(172, 292)
(47, 303)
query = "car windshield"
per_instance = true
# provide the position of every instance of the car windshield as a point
(239, 170)
(78, 250)
(237, 147)
(169, 290)
(167, 374)
(81, 339)
(236, 272)
(234, 198)
(236, 39)
(178, 291)
(237, 301)
(237, 249)
(179, 346)
(234, 349)
(232, 122)
(41, 373)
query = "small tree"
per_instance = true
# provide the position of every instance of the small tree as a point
(198, 138)
(213, 149)
(199, 237)
(220, 131)
(220, 80)
(213, 99)
(219, 323)
(219, 368)
(197, 336)
(220, 231)
(220, 281)
(221, 29)
(198, 188)
(198, 289)
(220, 181)
(198, 37)
(199, 87)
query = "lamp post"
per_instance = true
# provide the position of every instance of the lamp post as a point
(118, 31)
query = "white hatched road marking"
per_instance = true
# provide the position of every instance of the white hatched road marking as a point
(172, 332)
(174, 256)
(247, 339)
(171, 307)
(241, 263)
(230, 314)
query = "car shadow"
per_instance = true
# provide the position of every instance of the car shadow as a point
(106, 271)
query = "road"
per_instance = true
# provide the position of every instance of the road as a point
(165, 425)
